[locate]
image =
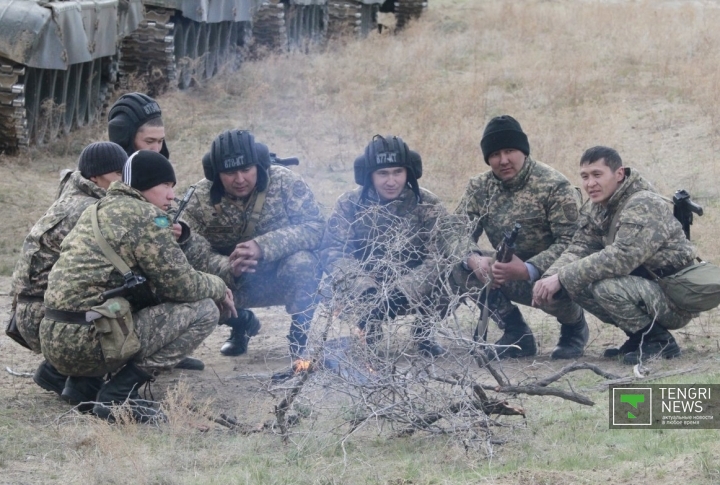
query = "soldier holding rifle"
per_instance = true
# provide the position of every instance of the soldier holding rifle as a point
(518, 189)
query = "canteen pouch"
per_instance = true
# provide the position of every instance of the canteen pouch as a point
(116, 331)
(695, 288)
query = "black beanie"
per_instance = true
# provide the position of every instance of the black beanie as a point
(503, 132)
(100, 158)
(145, 169)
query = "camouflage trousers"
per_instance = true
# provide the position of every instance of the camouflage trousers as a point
(28, 317)
(631, 303)
(292, 282)
(167, 332)
(500, 302)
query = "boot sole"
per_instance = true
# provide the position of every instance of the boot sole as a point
(48, 386)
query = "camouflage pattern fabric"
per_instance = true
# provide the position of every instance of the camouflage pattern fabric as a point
(141, 234)
(167, 332)
(27, 318)
(41, 250)
(401, 245)
(288, 232)
(538, 197)
(546, 204)
(290, 219)
(648, 235)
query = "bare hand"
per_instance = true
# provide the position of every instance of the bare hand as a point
(513, 271)
(480, 266)
(227, 306)
(177, 231)
(245, 257)
(545, 289)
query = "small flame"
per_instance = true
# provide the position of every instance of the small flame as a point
(301, 365)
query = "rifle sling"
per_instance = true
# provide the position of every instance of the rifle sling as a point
(114, 258)
(249, 231)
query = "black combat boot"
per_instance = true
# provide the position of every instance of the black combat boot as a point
(517, 332)
(48, 377)
(123, 387)
(630, 345)
(246, 325)
(81, 392)
(573, 339)
(190, 363)
(656, 342)
(426, 345)
(298, 336)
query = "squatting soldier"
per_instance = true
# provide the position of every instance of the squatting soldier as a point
(135, 123)
(99, 164)
(608, 276)
(173, 311)
(265, 218)
(520, 189)
(382, 247)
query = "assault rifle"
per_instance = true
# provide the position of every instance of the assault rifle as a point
(131, 281)
(285, 162)
(684, 208)
(183, 203)
(503, 254)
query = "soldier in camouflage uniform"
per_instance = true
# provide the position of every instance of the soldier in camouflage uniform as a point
(135, 123)
(383, 245)
(99, 164)
(520, 189)
(173, 311)
(608, 276)
(265, 218)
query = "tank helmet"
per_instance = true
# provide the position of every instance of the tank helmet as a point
(127, 115)
(234, 150)
(386, 152)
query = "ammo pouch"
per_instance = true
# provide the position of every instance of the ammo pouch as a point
(11, 330)
(693, 289)
(113, 319)
(115, 330)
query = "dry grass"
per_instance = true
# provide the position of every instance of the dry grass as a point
(643, 77)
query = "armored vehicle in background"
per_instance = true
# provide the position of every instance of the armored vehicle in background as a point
(61, 60)
(58, 64)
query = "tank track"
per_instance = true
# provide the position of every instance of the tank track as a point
(13, 120)
(407, 10)
(148, 54)
(36, 105)
(268, 30)
(345, 18)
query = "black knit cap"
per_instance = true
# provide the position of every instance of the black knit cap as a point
(100, 158)
(145, 169)
(503, 132)
(127, 115)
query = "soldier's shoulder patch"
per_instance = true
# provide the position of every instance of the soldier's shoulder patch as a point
(162, 221)
(571, 212)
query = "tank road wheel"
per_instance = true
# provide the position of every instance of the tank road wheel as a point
(189, 52)
(93, 90)
(46, 86)
(83, 100)
(211, 59)
(200, 51)
(32, 93)
(224, 48)
(56, 115)
(72, 92)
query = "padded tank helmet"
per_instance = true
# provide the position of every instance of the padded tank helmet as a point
(387, 152)
(127, 115)
(233, 150)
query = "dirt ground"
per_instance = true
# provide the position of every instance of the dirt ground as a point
(239, 386)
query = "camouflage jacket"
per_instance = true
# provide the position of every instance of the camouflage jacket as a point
(539, 197)
(41, 247)
(400, 243)
(141, 234)
(647, 235)
(290, 219)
